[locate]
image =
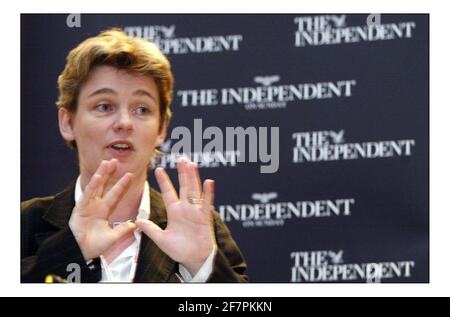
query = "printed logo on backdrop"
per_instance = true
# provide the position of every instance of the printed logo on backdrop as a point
(207, 159)
(329, 266)
(333, 29)
(223, 148)
(319, 146)
(265, 210)
(267, 94)
(165, 38)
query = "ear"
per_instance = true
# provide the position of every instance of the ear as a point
(162, 134)
(65, 124)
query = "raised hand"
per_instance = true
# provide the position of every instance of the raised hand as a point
(189, 236)
(89, 219)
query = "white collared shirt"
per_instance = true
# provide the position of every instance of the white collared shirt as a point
(123, 267)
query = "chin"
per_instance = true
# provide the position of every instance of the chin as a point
(121, 170)
(124, 167)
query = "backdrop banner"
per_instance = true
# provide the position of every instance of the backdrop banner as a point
(330, 182)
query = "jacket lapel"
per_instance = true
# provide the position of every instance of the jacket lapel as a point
(59, 212)
(153, 264)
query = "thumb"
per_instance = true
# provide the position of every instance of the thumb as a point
(150, 229)
(123, 229)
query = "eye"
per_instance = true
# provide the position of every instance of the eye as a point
(141, 110)
(103, 107)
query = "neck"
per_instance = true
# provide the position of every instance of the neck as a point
(128, 205)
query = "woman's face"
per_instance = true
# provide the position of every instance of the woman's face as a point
(117, 117)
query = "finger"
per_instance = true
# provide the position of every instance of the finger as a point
(114, 195)
(150, 229)
(194, 181)
(167, 190)
(208, 195)
(183, 178)
(89, 190)
(123, 229)
(106, 173)
(100, 171)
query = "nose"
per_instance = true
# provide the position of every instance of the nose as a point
(123, 122)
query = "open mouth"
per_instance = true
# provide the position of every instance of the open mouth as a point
(122, 147)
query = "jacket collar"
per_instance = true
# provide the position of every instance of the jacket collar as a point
(58, 214)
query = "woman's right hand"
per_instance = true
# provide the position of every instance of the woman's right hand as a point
(89, 220)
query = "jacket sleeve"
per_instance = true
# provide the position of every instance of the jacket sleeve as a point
(229, 264)
(46, 250)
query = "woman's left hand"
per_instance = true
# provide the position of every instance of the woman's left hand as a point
(189, 236)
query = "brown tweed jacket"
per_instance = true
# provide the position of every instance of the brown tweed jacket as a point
(48, 245)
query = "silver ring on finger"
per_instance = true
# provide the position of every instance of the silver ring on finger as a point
(195, 201)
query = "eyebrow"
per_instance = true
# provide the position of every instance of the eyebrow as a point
(139, 92)
(142, 92)
(103, 91)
